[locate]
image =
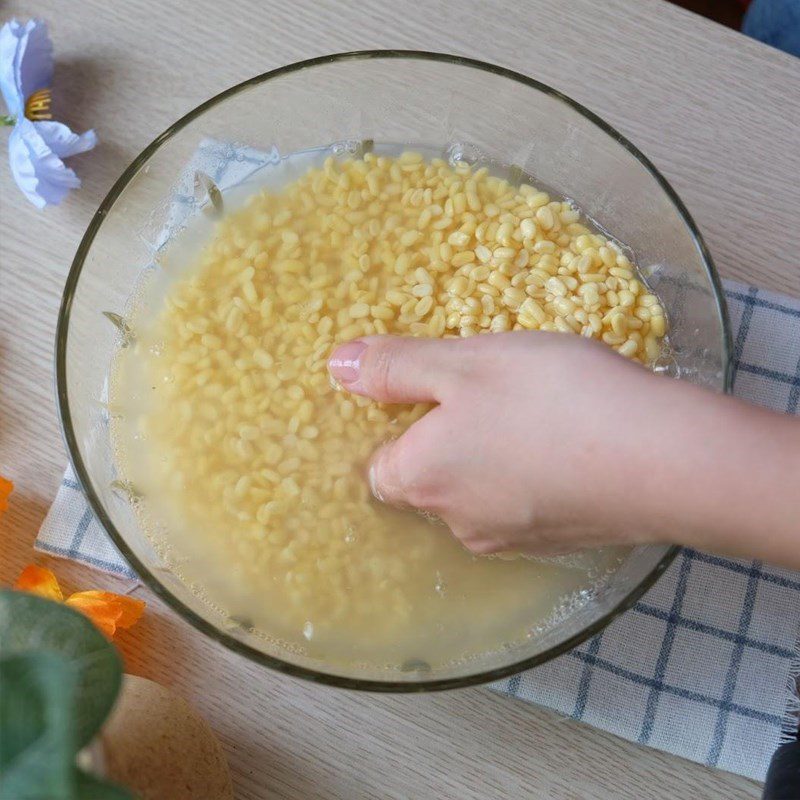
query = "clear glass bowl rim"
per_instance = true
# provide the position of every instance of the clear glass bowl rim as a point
(152, 582)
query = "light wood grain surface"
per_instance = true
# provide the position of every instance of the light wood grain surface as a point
(718, 113)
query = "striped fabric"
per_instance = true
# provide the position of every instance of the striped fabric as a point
(706, 665)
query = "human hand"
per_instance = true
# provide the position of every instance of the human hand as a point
(545, 443)
(535, 444)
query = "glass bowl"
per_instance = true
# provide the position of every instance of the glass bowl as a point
(346, 102)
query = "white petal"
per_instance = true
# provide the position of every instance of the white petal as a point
(26, 62)
(36, 59)
(62, 141)
(9, 86)
(38, 171)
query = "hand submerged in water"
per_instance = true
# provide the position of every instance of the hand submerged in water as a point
(544, 443)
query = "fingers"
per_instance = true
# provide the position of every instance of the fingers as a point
(397, 477)
(393, 369)
(408, 471)
(406, 474)
(385, 481)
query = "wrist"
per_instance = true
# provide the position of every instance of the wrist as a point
(733, 472)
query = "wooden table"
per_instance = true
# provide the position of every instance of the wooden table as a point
(717, 112)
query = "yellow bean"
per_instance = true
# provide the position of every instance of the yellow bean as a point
(358, 246)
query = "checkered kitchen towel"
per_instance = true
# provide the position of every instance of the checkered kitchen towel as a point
(706, 664)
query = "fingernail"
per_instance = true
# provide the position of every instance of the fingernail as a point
(372, 477)
(345, 363)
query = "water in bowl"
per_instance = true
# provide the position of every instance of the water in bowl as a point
(250, 464)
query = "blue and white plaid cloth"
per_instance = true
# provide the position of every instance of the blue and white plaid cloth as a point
(706, 665)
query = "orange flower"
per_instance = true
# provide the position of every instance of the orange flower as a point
(107, 610)
(41, 581)
(6, 487)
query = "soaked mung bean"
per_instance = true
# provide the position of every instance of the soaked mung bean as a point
(251, 464)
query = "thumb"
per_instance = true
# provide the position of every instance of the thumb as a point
(394, 369)
(404, 472)
(386, 480)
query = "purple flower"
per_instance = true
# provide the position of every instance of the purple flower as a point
(37, 145)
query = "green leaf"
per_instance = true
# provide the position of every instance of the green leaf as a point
(37, 747)
(31, 624)
(90, 787)
(59, 677)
